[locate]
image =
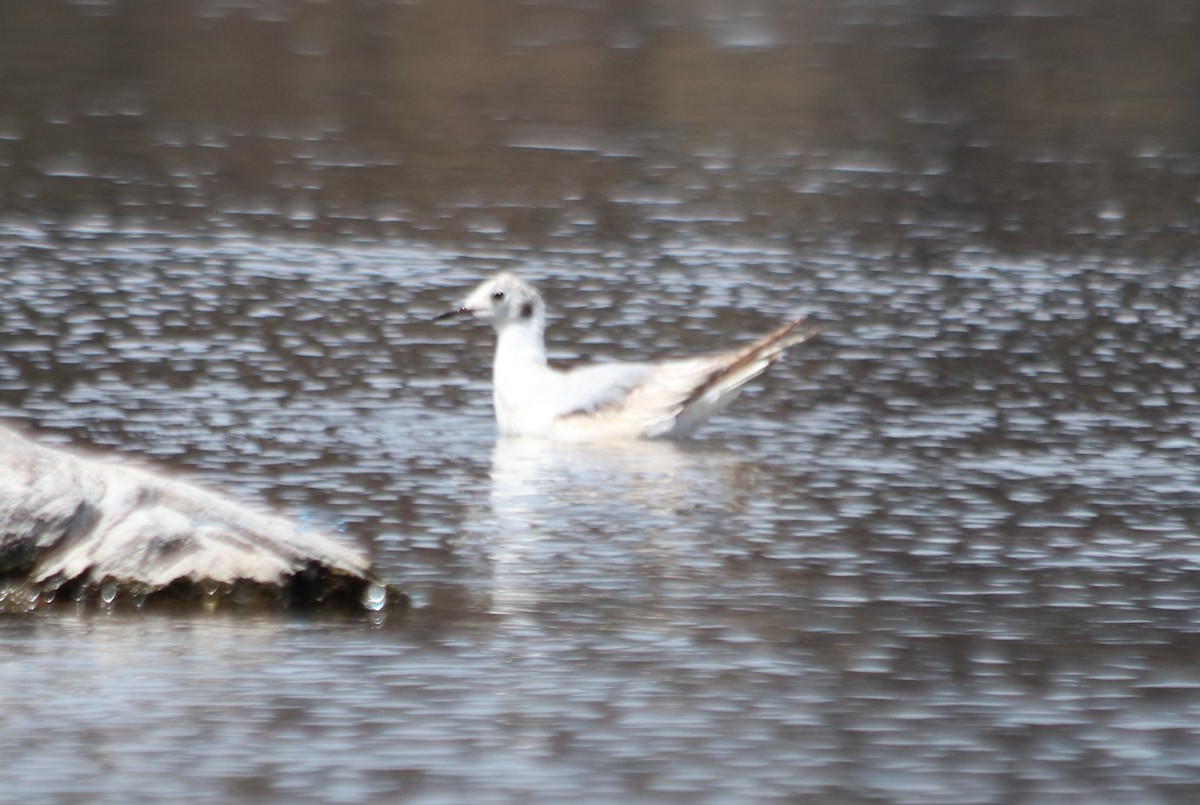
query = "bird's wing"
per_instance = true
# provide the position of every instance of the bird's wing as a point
(585, 390)
(726, 376)
(673, 398)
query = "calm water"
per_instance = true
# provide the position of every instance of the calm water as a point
(948, 554)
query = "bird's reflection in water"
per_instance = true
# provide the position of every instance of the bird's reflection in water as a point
(580, 522)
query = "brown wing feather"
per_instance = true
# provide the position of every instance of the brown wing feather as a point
(744, 357)
(655, 406)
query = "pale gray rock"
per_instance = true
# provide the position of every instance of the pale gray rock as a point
(90, 528)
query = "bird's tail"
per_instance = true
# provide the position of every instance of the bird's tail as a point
(725, 381)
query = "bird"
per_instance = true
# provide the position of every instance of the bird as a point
(666, 399)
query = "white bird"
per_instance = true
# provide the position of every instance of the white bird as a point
(667, 399)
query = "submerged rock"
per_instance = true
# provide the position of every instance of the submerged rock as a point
(83, 529)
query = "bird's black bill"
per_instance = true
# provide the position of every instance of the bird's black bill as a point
(449, 314)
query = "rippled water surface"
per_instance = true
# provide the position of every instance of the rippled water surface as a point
(948, 553)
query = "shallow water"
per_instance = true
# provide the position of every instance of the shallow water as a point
(946, 554)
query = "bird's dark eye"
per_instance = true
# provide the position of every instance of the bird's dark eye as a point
(497, 296)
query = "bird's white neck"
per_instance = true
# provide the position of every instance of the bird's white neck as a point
(520, 346)
(520, 377)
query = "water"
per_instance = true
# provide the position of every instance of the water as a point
(946, 554)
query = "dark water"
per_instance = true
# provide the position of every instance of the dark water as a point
(948, 554)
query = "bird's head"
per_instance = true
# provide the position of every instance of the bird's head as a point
(502, 300)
